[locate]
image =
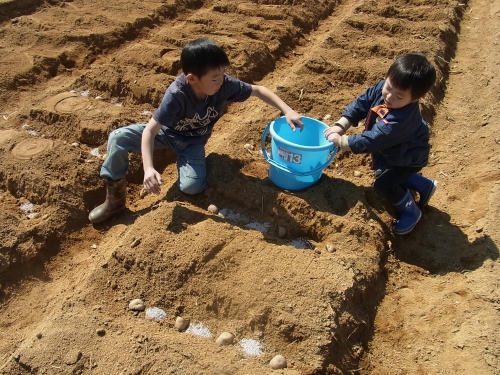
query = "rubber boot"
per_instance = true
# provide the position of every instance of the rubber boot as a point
(425, 188)
(116, 196)
(410, 214)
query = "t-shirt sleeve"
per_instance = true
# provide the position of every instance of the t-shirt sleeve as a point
(237, 91)
(168, 110)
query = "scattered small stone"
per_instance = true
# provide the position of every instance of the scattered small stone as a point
(249, 147)
(143, 193)
(72, 357)
(33, 215)
(278, 362)
(357, 174)
(100, 331)
(213, 209)
(327, 117)
(94, 246)
(136, 305)
(480, 224)
(281, 232)
(181, 323)
(75, 144)
(225, 338)
(330, 248)
(136, 242)
(38, 336)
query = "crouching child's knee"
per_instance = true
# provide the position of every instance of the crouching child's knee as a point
(192, 186)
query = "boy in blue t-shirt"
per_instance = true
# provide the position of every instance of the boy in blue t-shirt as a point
(395, 134)
(183, 122)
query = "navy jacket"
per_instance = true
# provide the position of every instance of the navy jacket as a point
(400, 139)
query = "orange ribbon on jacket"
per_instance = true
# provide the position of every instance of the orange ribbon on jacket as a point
(381, 110)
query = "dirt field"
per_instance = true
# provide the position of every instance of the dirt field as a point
(424, 303)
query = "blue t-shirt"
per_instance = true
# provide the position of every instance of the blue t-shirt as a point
(190, 119)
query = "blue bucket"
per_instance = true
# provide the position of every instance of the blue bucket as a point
(297, 157)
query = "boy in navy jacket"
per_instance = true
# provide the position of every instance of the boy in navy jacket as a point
(395, 134)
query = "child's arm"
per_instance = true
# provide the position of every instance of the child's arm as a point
(152, 179)
(336, 134)
(340, 127)
(353, 113)
(267, 96)
(340, 141)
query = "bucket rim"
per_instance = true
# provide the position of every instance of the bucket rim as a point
(326, 146)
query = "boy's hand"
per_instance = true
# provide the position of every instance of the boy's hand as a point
(294, 120)
(333, 137)
(334, 129)
(152, 181)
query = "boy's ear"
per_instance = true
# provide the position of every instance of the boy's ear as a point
(190, 77)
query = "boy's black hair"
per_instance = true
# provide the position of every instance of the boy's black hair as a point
(413, 72)
(201, 55)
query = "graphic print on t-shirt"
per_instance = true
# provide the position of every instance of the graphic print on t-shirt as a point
(185, 125)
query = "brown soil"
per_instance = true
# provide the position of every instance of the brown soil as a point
(424, 303)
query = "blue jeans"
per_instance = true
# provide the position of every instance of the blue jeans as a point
(191, 167)
(390, 183)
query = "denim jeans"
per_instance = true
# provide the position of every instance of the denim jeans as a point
(390, 182)
(191, 165)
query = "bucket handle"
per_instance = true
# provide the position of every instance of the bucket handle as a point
(285, 169)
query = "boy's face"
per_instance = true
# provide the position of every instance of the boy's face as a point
(395, 98)
(208, 84)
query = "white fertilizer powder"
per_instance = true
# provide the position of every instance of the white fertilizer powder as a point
(251, 347)
(95, 152)
(27, 207)
(261, 227)
(199, 329)
(229, 214)
(235, 216)
(155, 313)
(300, 243)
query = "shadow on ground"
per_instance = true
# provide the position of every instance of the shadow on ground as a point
(440, 247)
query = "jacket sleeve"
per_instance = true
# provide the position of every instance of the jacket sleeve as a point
(399, 129)
(360, 107)
(380, 137)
